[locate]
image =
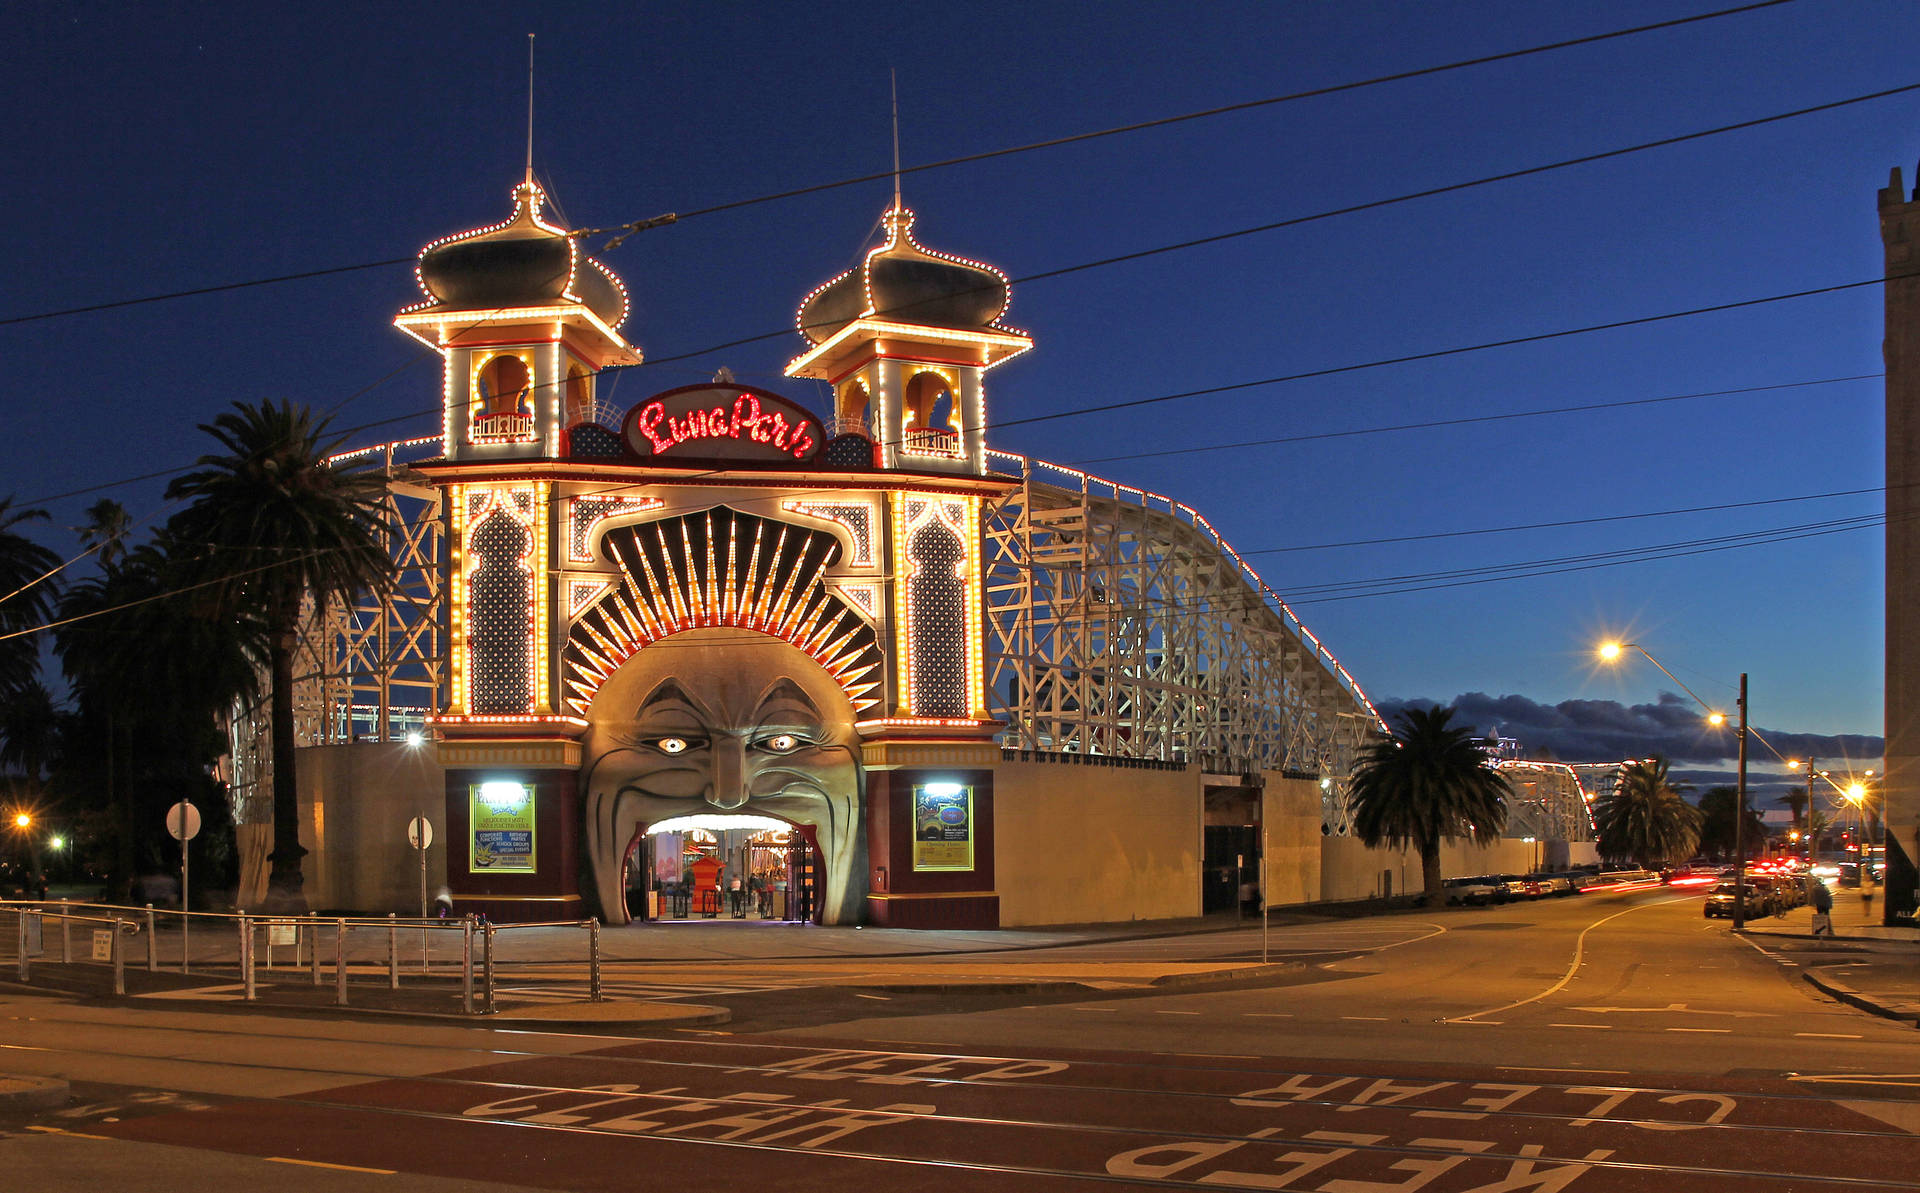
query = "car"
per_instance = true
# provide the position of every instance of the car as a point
(1553, 885)
(1473, 891)
(1510, 887)
(1720, 902)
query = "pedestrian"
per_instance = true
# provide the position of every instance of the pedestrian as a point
(1866, 894)
(734, 894)
(1822, 909)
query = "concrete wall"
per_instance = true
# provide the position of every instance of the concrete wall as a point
(1290, 840)
(1349, 870)
(355, 802)
(1084, 844)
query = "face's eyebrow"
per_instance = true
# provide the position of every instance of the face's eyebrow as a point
(785, 701)
(669, 699)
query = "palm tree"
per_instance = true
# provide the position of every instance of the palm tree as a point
(279, 523)
(1646, 817)
(106, 531)
(153, 662)
(1427, 783)
(25, 601)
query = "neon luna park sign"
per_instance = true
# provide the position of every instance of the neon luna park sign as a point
(722, 422)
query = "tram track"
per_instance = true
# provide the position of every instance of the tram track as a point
(764, 1060)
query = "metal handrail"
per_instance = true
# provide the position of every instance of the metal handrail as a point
(131, 920)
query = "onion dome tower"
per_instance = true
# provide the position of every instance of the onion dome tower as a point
(524, 322)
(904, 339)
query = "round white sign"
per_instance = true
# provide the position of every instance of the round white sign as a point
(183, 821)
(419, 832)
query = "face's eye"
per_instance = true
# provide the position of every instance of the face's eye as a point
(781, 743)
(672, 745)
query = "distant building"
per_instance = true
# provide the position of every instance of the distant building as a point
(1900, 790)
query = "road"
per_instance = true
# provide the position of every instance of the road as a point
(1587, 1044)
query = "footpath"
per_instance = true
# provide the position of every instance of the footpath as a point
(1864, 964)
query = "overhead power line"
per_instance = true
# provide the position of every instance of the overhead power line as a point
(628, 229)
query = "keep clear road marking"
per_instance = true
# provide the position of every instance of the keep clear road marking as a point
(334, 1167)
(1579, 949)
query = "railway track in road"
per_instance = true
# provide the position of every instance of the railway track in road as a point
(1059, 1119)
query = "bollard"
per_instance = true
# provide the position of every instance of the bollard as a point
(393, 952)
(488, 944)
(593, 950)
(313, 946)
(153, 943)
(340, 963)
(466, 965)
(246, 958)
(66, 945)
(119, 952)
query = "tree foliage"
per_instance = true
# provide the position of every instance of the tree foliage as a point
(277, 523)
(1426, 784)
(1647, 818)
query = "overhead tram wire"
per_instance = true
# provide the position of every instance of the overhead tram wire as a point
(709, 350)
(1470, 420)
(628, 229)
(622, 231)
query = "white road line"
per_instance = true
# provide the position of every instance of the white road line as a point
(1549, 1069)
(1176, 1012)
(1097, 1010)
(1269, 1014)
(1824, 1035)
(334, 1167)
(1366, 1018)
(1588, 1026)
(1710, 1031)
(1579, 949)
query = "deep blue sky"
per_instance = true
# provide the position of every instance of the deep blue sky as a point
(154, 149)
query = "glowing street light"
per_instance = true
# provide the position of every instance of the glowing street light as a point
(23, 820)
(1610, 651)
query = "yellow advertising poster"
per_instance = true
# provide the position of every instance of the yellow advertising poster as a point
(942, 826)
(500, 816)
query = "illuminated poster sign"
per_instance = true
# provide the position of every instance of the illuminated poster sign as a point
(722, 422)
(942, 826)
(500, 828)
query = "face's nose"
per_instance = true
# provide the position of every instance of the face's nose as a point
(729, 790)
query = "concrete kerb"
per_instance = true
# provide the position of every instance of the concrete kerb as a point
(1902, 1013)
(22, 1095)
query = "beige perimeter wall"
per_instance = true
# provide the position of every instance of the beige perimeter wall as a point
(1086, 844)
(355, 802)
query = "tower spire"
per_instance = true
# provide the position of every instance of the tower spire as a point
(893, 79)
(529, 109)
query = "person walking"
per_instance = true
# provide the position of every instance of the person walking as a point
(1822, 900)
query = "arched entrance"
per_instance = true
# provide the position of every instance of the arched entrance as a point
(719, 866)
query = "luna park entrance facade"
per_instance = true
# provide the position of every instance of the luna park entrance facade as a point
(709, 867)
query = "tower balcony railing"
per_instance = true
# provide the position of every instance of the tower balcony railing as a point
(502, 428)
(938, 442)
(846, 426)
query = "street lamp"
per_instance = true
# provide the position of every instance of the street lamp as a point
(1610, 651)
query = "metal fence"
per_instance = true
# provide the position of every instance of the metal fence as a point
(248, 950)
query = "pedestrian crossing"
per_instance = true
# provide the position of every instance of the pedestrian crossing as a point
(522, 990)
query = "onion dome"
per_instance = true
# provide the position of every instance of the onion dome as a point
(902, 282)
(523, 262)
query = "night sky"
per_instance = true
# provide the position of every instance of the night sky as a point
(163, 148)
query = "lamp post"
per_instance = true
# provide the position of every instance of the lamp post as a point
(1611, 651)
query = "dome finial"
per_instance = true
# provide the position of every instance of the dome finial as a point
(529, 109)
(893, 78)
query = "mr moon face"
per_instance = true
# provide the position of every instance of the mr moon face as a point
(724, 721)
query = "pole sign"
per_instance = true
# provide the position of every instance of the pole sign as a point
(704, 423)
(183, 821)
(420, 832)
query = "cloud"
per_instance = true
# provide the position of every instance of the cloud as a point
(1608, 731)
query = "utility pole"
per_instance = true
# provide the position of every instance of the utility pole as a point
(1740, 821)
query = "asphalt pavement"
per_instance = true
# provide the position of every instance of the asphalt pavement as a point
(1864, 963)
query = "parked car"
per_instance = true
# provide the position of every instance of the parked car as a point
(1554, 885)
(1510, 887)
(1720, 902)
(1473, 891)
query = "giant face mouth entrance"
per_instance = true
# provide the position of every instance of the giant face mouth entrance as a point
(722, 867)
(724, 723)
